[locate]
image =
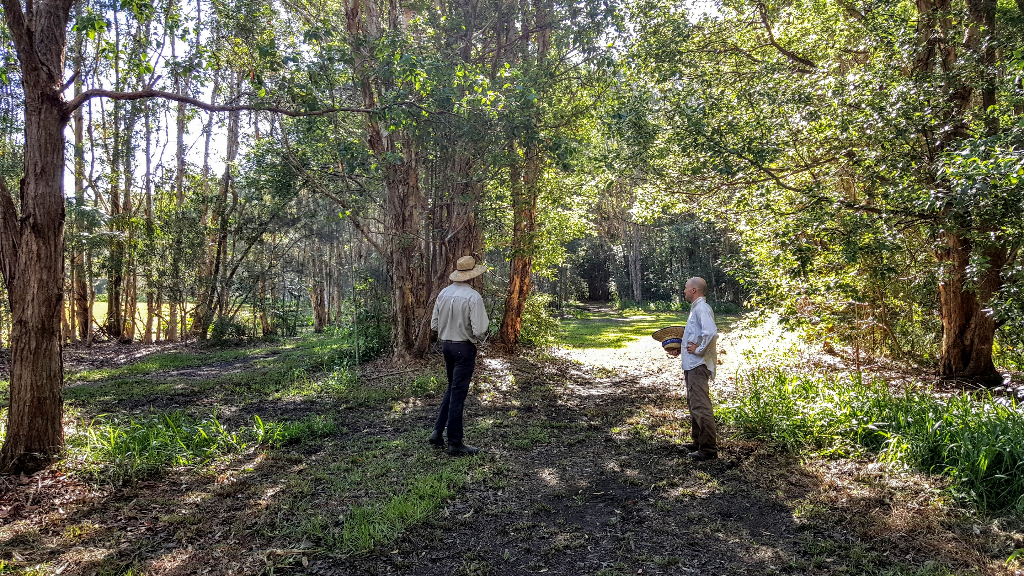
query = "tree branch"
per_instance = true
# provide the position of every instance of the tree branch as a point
(82, 98)
(771, 40)
(10, 237)
(356, 222)
(15, 19)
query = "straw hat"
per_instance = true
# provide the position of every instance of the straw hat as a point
(671, 337)
(466, 268)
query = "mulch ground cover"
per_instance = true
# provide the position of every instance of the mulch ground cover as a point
(581, 472)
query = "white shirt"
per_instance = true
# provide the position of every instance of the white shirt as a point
(701, 329)
(459, 314)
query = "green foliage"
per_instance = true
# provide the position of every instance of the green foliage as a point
(119, 450)
(843, 158)
(978, 442)
(227, 331)
(124, 450)
(385, 520)
(279, 434)
(540, 328)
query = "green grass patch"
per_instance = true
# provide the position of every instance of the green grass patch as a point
(161, 362)
(616, 330)
(385, 519)
(132, 388)
(351, 501)
(976, 441)
(529, 437)
(610, 330)
(278, 434)
(129, 449)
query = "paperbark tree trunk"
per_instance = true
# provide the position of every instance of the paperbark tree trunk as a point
(968, 326)
(524, 231)
(32, 241)
(207, 305)
(524, 195)
(405, 204)
(318, 300)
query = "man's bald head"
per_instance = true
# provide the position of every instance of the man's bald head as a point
(698, 284)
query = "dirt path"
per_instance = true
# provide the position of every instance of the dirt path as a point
(581, 473)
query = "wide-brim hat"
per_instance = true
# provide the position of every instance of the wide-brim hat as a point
(671, 337)
(466, 268)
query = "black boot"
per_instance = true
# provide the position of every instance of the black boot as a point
(460, 449)
(436, 439)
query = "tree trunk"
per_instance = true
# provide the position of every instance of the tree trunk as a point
(524, 233)
(81, 293)
(32, 243)
(636, 274)
(968, 326)
(407, 266)
(317, 298)
(207, 304)
(405, 203)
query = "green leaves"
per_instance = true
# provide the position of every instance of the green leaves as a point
(90, 23)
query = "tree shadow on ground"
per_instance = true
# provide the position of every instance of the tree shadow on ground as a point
(582, 473)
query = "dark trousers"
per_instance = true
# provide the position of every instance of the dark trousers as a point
(459, 361)
(702, 415)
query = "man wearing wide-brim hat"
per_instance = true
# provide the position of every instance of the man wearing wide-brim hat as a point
(695, 343)
(460, 320)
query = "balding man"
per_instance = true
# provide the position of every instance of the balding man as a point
(698, 359)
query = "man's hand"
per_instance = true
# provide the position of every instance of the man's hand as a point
(691, 347)
(673, 352)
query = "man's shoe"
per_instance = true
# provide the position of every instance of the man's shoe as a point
(702, 456)
(436, 439)
(461, 449)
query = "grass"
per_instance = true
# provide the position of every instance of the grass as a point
(304, 367)
(603, 330)
(386, 487)
(160, 362)
(612, 330)
(975, 441)
(125, 450)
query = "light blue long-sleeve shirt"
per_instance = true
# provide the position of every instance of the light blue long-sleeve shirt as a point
(701, 329)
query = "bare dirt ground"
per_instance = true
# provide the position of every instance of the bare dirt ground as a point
(581, 473)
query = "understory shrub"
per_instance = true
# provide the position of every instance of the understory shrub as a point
(540, 328)
(978, 442)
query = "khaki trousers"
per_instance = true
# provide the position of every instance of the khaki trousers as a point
(702, 415)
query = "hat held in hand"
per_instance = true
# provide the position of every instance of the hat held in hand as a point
(671, 338)
(466, 268)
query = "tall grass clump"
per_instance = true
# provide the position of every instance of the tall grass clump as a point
(278, 434)
(125, 450)
(978, 442)
(137, 447)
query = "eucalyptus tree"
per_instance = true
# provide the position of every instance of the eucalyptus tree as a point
(850, 139)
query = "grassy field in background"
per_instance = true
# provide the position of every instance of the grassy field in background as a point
(613, 329)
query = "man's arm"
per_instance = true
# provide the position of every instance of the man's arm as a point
(708, 330)
(478, 318)
(433, 317)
